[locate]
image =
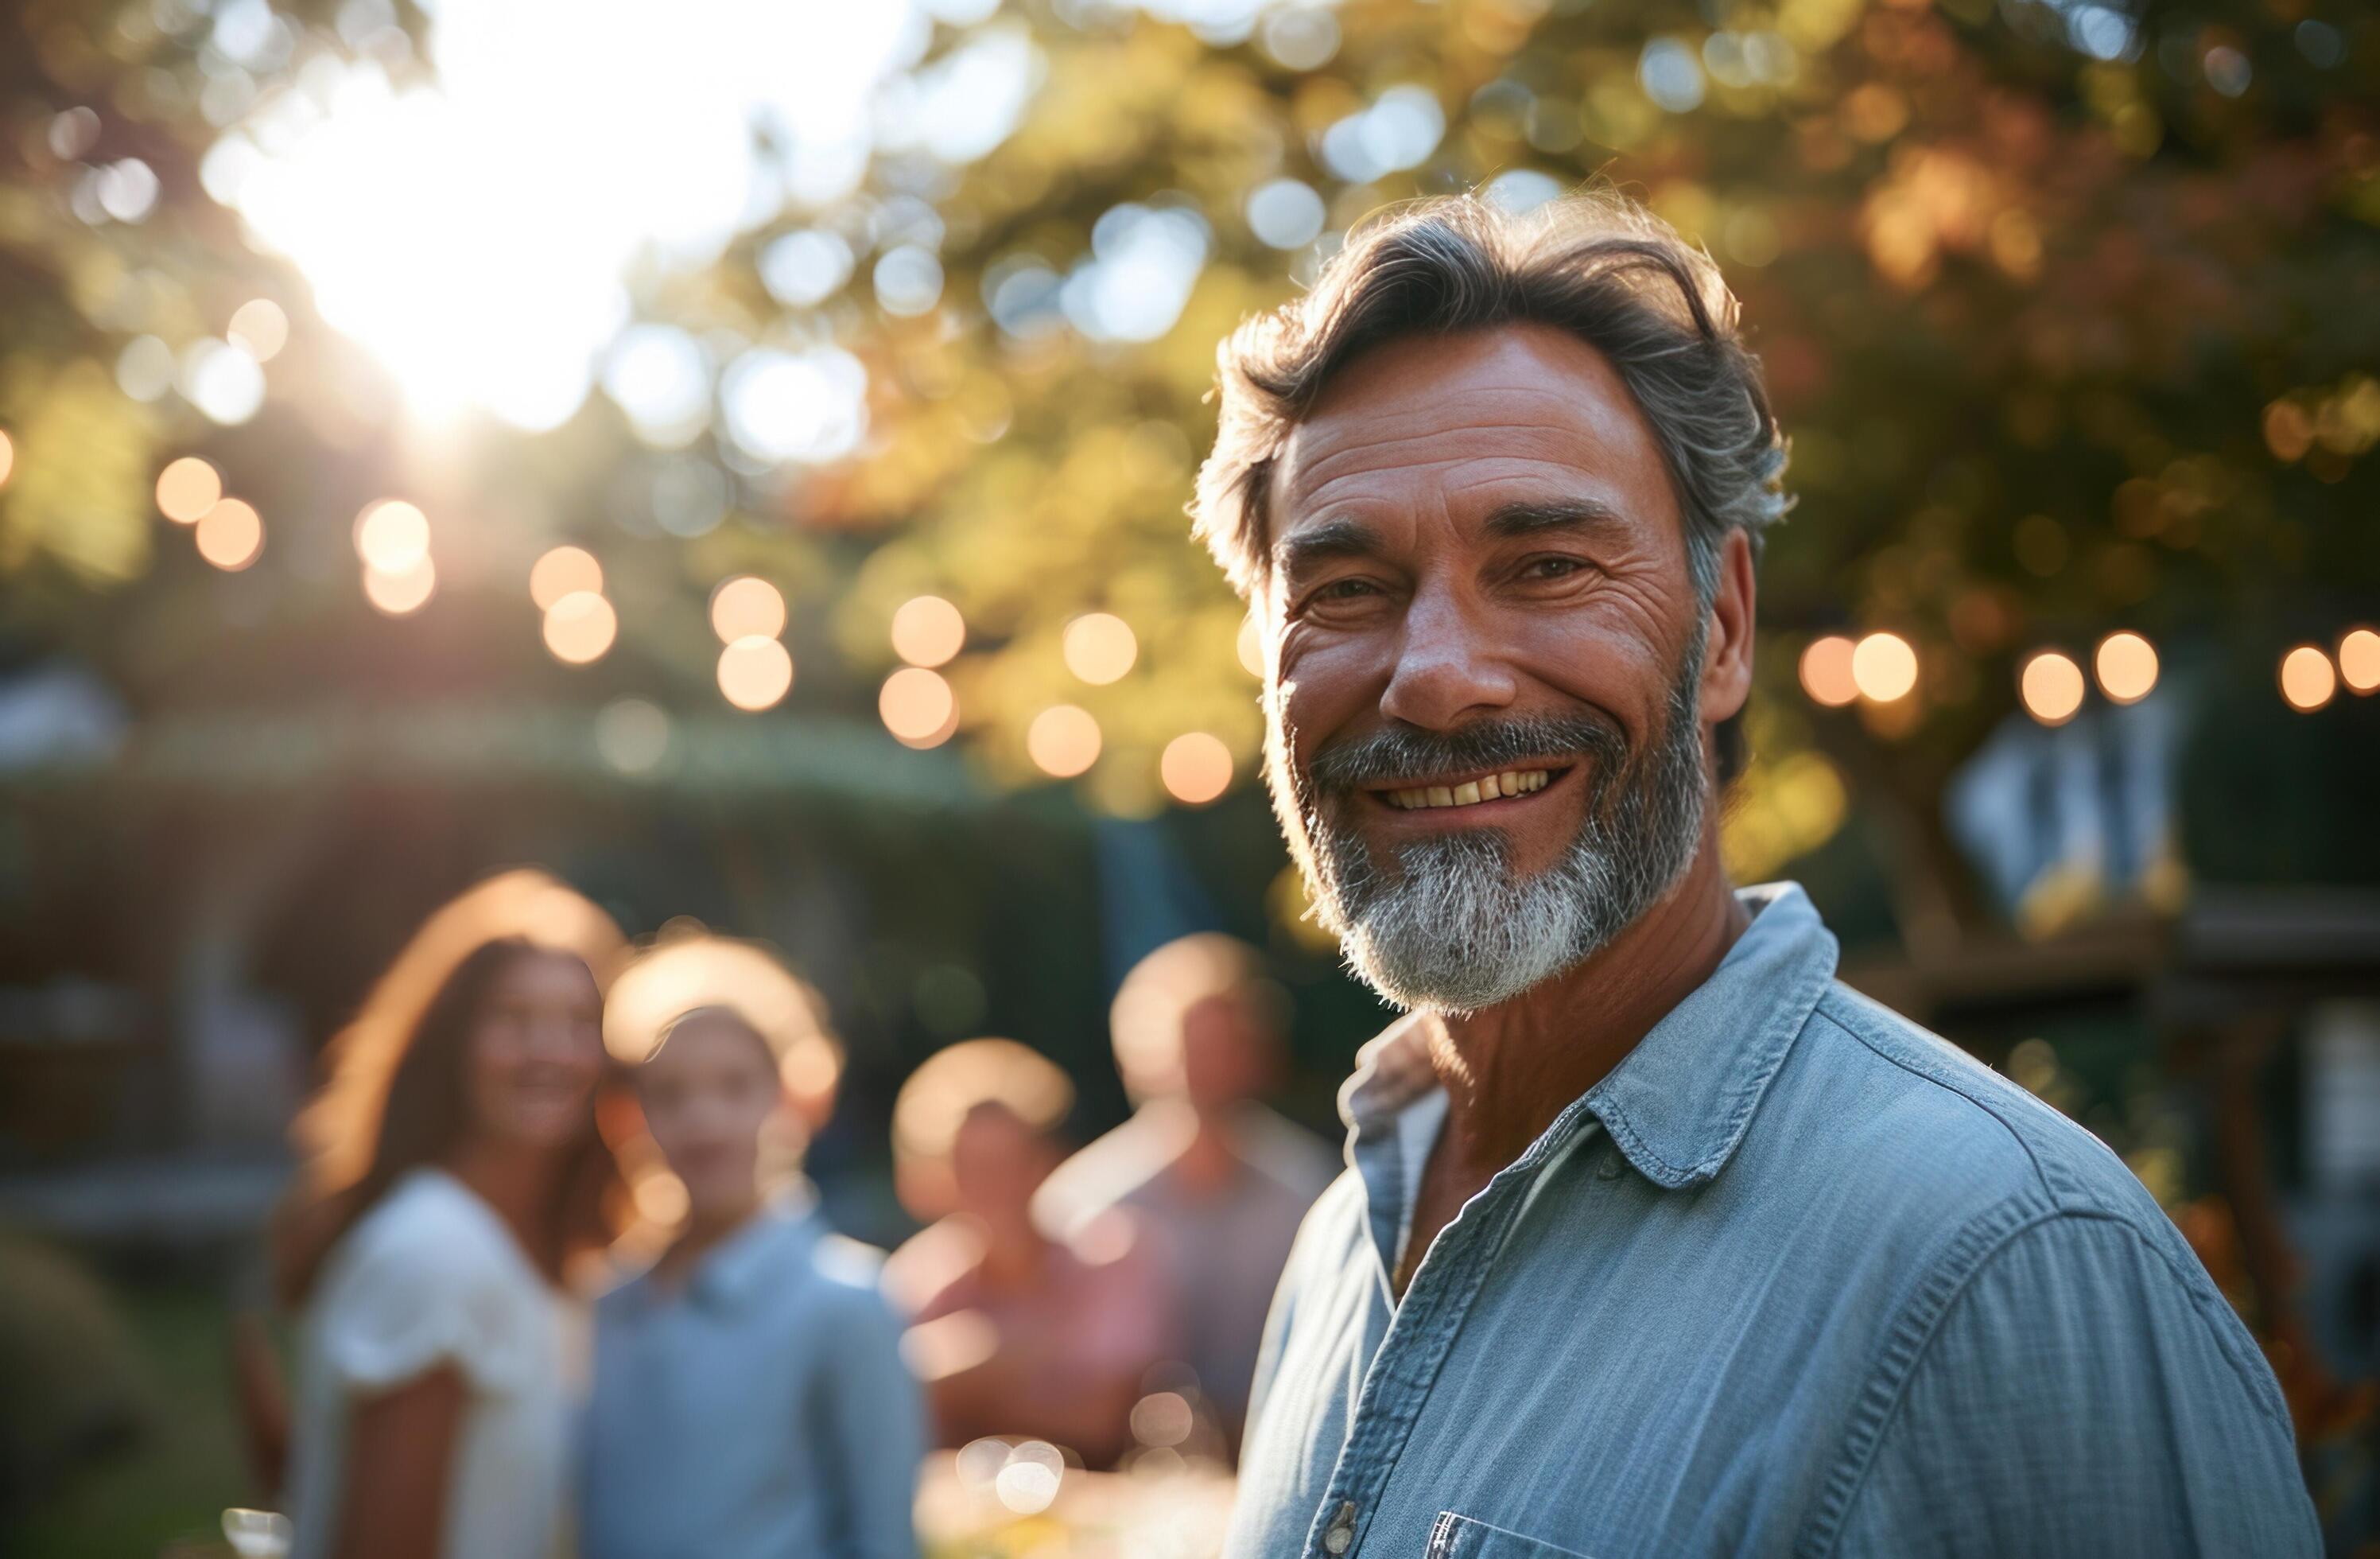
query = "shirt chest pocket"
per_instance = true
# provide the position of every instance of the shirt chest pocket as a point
(1454, 1536)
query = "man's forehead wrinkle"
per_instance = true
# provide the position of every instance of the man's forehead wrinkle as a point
(1519, 479)
(1389, 439)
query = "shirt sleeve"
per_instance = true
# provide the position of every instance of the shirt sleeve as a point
(873, 1427)
(417, 1295)
(2084, 1395)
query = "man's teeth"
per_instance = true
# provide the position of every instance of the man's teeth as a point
(1516, 782)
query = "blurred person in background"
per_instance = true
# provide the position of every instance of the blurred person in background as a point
(1220, 1181)
(1016, 1331)
(454, 1170)
(749, 1397)
(1656, 1238)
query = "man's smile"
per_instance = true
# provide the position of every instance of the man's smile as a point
(1500, 791)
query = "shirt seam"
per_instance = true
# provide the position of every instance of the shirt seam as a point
(1921, 1321)
(2061, 1189)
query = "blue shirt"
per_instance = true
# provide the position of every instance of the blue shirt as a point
(1796, 1278)
(762, 1409)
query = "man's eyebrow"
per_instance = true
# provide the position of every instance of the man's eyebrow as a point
(1528, 518)
(1322, 541)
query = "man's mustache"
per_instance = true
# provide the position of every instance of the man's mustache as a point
(1394, 756)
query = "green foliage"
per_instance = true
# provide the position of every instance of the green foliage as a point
(2064, 343)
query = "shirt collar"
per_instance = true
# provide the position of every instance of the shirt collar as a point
(1678, 1104)
(729, 1276)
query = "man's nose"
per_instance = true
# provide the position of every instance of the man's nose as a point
(1450, 669)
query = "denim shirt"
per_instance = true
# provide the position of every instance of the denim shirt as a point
(763, 1409)
(1796, 1277)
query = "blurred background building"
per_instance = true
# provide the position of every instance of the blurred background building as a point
(734, 454)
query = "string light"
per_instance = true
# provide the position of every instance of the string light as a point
(1063, 741)
(564, 571)
(391, 536)
(1251, 648)
(401, 593)
(580, 627)
(754, 673)
(1195, 768)
(2308, 682)
(2127, 666)
(747, 608)
(186, 488)
(1826, 671)
(2051, 686)
(1884, 667)
(928, 631)
(2359, 660)
(1099, 648)
(918, 707)
(261, 326)
(231, 535)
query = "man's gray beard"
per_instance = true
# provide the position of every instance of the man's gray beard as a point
(1446, 925)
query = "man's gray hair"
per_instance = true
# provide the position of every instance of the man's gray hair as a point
(1596, 264)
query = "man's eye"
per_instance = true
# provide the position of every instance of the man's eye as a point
(1552, 568)
(1343, 589)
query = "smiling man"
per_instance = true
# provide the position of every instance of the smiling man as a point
(1656, 1239)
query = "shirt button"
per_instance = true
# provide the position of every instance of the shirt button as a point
(1342, 1529)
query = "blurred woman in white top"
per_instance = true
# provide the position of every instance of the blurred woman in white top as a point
(455, 1168)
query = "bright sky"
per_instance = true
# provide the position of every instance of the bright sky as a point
(479, 236)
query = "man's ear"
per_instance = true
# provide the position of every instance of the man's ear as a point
(1727, 644)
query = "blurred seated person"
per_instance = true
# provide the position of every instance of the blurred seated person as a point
(1220, 1182)
(1016, 1332)
(749, 1397)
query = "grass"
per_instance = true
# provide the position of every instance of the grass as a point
(160, 1489)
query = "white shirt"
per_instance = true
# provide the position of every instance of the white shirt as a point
(432, 1277)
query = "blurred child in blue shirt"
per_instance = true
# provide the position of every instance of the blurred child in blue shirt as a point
(749, 1397)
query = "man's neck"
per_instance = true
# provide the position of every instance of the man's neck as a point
(1510, 1069)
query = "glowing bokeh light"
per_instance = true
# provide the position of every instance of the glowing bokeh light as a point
(2359, 660)
(2126, 665)
(918, 707)
(1027, 1487)
(1063, 741)
(1195, 768)
(7, 458)
(754, 673)
(564, 571)
(400, 593)
(260, 327)
(231, 535)
(1163, 1417)
(391, 536)
(1884, 667)
(632, 734)
(747, 608)
(580, 627)
(222, 381)
(928, 631)
(782, 406)
(2308, 680)
(1827, 671)
(1029, 1476)
(1099, 646)
(2051, 686)
(1251, 648)
(188, 488)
